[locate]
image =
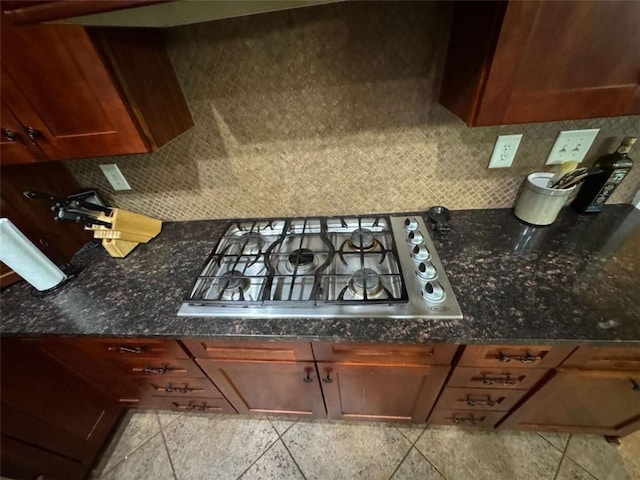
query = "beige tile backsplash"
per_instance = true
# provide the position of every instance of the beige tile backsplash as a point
(328, 110)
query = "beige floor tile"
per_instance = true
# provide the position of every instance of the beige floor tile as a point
(275, 464)
(414, 467)
(166, 417)
(461, 454)
(337, 451)
(630, 452)
(140, 428)
(569, 470)
(601, 459)
(282, 424)
(412, 432)
(148, 461)
(216, 447)
(559, 440)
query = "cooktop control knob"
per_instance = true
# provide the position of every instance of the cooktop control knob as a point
(415, 237)
(433, 292)
(426, 270)
(420, 252)
(410, 224)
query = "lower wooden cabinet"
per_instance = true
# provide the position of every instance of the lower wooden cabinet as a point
(583, 401)
(54, 422)
(381, 392)
(268, 387)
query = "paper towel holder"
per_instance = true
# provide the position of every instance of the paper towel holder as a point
(70, 271)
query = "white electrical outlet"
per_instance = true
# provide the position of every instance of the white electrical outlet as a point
(505, 151)
(115, 177)
(571, 145)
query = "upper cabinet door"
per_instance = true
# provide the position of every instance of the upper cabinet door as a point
(56, 84)
(539, 61)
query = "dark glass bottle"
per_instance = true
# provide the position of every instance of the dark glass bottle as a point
(598, 188)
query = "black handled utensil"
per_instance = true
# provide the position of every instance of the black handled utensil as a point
(440, 216)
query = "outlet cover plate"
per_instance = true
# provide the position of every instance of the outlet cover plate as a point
(505, 151)
(115, 176)
(571, 145)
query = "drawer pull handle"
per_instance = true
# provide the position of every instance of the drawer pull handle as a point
(123, 349)
(526, 358)
(470, 420)
(328, 378)
(10, 135)
(489, 402)
(307, 379)
(498, 380)
(636, 385)
(192, 406)
(172, 389)
(33, 133)
(158, 370)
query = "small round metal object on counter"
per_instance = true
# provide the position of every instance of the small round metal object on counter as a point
(416, 237)
(420, 252)
(410, 224)
(433, 292)
(426, 270)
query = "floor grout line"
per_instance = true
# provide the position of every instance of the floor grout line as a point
(129, 454)
(401, 460)
(430, 462)
(293, 458)
(166, 447)
(263, 453)
(412, 442)
(576, 462)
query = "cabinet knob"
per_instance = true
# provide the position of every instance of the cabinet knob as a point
(328, 378)
(33, 133)
(10, 135)
(636, 385)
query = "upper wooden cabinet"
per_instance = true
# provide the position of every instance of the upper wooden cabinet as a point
(537, 61)
(70, 92)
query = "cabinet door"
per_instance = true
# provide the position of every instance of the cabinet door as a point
(56, 83)
(536, 61)
(381, 392)
(283, 388)
(601, 402)
(53, 422)
(15, 146)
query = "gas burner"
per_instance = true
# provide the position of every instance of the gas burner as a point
(234, 284)
(251, 242)
(365, 280)
(304, 259)
(362, 239)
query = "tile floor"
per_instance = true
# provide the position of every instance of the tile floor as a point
(166, 445)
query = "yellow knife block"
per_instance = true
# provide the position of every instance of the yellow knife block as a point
(127, 231)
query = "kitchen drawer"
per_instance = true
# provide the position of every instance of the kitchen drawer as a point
(182, 404)
(119, 348)
(502, 378)
(156, 368)
(479, 398)
(384, 354)
(465, 418)
(605, 358)
(515, 356)
(250, 350)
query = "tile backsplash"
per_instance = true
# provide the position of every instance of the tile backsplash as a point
(325, 110)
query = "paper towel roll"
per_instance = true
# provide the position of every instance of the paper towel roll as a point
(24, 258)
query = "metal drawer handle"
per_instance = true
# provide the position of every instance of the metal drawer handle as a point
(33, 133)
(193, 406)
(10, 135)
(470, 420)
(328, 378)
(526, 358)
(307, 379)
(158, 370)
(636, 385)
(489, 402)
(124, 349)
(172, 389)
(498, 380)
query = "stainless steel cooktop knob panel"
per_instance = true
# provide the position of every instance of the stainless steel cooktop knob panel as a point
(410, 224)
(416, 237)
(420, 253)
(426, 270)
(433, 291)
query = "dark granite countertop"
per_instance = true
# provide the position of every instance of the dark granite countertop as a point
(575, 281)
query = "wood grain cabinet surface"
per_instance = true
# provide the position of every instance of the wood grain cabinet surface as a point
(539, 61)
(54, 422)
(72, 92)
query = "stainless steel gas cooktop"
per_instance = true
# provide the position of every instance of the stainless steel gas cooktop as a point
(369, 266)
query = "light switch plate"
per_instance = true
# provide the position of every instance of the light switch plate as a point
(505, 151)
(115, 177)
(571, 145)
